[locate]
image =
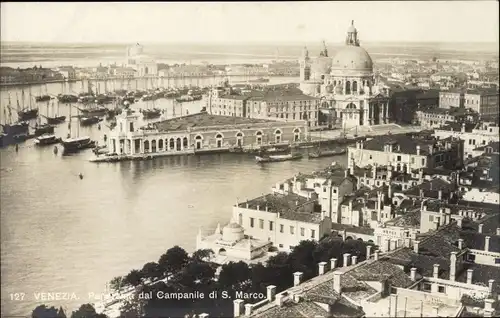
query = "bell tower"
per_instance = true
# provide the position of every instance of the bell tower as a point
(305, 65)
(352, 35)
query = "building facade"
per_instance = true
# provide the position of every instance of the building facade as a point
(346, 85)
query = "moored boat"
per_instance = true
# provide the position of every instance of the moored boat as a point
(16, 128)
(42, 98)
(278, 158)
(56, 120)
(27, 114)
(327, 153)
(72, 145)
(87, 121)
(93, 111)
(44, 129)
(47, 139)
(151, 113)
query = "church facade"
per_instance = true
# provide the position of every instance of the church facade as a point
(346, 85)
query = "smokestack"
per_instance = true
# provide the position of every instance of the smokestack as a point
(435, 273)
(480, 228)
(413, 274)
(453, 265)
(368, 251)
(271, 293)
(333, 263)
(469, 276)
(487, 244)
(346, 259)
(321, 268)
(297, 277)
(415, 246)
(238, 307)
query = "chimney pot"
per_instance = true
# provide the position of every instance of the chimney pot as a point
(271, 293)
(469, 276)
(480, 228)
(487, 244)
(297, 277)
(413, 274)
(461, 244)
(415, 246)
(376, 255)
(368, 251)
(346, 259)
(435, 273)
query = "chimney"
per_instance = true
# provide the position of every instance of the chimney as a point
(297, 202)
(431, 148)
(258, 207)
(248, 309)
(460, 244)
(421, 193)
(297, 277)
(246, 204)
(321, 268)
(376, 254)
(487, 244)
(271, 293)
(368, 251)
(490, 286)
(354, 260)
(463, 127)
(469, 276)
(279, 300)
(413, 274)
(459, 222)
(333, 263)
(336, 282)
(238, 307)
(296, 298)
(374, 170)
(393, 306)
(267, 208)
(435, 273)
(498, 230)
(418, 150)
(480, 228)
(351, 170)
(415, 246)
(346, 259)
(389, 190)
(453, 265)
(440, 194)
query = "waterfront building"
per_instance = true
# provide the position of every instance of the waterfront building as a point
(68, 72)
(483, 101)
(186, 71)
(283, 104)
(144, 65)
(231, 244)
(283, 219)
(346, 85)
(405, 152)
(404, 103)
(434, 117)
(124, 72)
(199, 132)
(473, 135)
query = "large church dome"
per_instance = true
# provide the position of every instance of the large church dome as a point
(352, 56)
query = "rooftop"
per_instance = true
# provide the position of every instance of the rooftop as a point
(467, 127)
(350, 228)
(290, 206)
(402, 144)
(431, 188)
(333, 173)
(205, 120)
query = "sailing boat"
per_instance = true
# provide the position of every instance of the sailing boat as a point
(73, 145)
(56, 119)
(326, 153)
(42, 97)
(27, 113)
(45, 133)
(46, 128)
(13, 129)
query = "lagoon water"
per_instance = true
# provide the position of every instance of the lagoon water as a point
(62, 234)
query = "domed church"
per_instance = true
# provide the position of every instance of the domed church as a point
(346, 84)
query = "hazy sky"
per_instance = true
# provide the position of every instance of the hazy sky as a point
(446, 21)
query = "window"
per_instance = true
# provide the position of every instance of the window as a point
(291, 230)
(399, 158)
(271, 225)
(497, 260)
(302, 231)
(251, 222)
(423, 161)
(261, 223)
(441, 289)
(280, 245)
(313, 234)
(324, 189)
(431, 218)
(334, 190)
(471, 258)
(426, 287)
(282, 228)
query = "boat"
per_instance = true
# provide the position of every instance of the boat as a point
(56, 120)
(72, 145)
(47, 139)
(42, 98)
(27, 113)
(67, 98)
(327, 153)
(236, 149)
(13, 128)
(87, 121)
(278, 158)
(151, 113)
(93, 111)
(259, 80)
(99, 150)
(44, 129)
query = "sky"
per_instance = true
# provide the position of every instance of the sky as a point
(249, 22)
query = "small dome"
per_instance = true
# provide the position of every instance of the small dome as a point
(232, 232)
(352, 58)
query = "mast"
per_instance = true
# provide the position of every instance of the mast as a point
(69, 122)
(22, 98)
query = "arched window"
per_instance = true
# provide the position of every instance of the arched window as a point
(354, 87)
(153, 146)
(198, 141)
(259, 137)
(172, 144)
(179, 145)
(277, 136)
(351, 106)
(296, 135)
(218, 140)
(348, 87)
(160, 145)
(166, 145)
(240, 219)
(146, 146)
(185, 142)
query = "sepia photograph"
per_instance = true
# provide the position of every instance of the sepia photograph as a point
(294, 159)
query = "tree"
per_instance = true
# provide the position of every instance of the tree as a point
(116, 283)
(173, 260)
(130, 309)
(197, 273)
(301, 259)
(43, 311)
(85, 311)
(151, 270)
(232, 275)
(203, 254)
(133, 278)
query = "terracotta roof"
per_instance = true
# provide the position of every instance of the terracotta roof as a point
(353, 229)
(381, 270)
